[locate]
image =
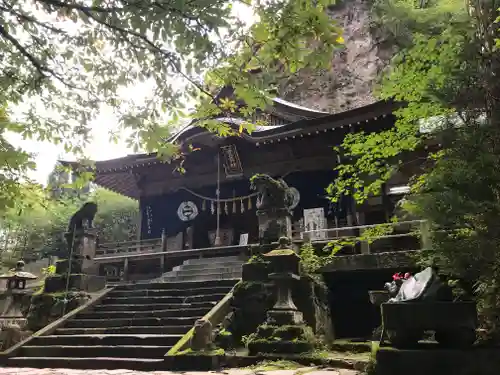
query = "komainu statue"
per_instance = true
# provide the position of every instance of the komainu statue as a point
(84, 214)
(273, 194)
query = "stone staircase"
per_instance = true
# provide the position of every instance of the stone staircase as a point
(203, 269)
(133, 327)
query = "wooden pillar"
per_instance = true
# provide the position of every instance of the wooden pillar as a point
(139, 225)
(163, 240)
(125, 269)
(163, 249)
(162, 262)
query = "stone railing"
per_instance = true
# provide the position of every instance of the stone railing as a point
(412, 231)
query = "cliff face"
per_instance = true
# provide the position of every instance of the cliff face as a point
(355, 69)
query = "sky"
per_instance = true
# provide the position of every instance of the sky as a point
(100, 148)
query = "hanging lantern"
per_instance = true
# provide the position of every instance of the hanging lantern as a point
(218, 207)
(204, 205)
(234, 207)
(212, 207)
(242, 206)
(249, 203)
(225, 208)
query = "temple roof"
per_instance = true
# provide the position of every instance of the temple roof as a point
(304, 122)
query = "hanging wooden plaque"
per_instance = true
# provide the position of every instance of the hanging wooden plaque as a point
(231, 161)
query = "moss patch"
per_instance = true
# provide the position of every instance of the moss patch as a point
(45, 308)
(281, 339)
(275, 365)
(207, 352)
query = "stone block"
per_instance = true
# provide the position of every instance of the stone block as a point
(454, 322)
(87, 283)
(255, 271)
(62, 266)
(477, 361)
(283, 347)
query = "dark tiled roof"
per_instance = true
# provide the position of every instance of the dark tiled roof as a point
(116, 175)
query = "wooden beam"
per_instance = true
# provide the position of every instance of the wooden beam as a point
(275, 169)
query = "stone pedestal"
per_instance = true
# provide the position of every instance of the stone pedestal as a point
(83, 271)
(284, 320)
(84, 249)
(274, 224)
(285, 270)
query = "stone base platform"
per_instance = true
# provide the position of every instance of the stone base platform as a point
(63, 371)
(437, 361)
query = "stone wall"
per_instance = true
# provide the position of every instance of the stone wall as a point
(46, 308)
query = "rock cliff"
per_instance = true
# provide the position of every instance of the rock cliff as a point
(355, 70)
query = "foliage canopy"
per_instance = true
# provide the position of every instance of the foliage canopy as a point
(63, 60)
(447, 76)
(75, 56)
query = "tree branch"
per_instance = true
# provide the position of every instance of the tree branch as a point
(39, 67)
(168, 55)
(81, 7)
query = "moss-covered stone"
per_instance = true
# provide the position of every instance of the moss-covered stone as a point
(282, 347)
(223, 339)
(252, 300)
(89, 283)
(48, 307)
(286, 333)
(281, 339)
(256, 271)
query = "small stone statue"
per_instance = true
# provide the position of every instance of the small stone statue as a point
(86, 213)
(202, 336)
(12, 334)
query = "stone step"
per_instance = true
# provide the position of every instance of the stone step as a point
(215, 260)
(168, 292)
(224, 272)
(130, 322)
(189, 267)
(144, 314)
(122, 351)
(92, 363)
(165, 330)
(202, 278)
(177, 285)
(106, 340)
(160, 306)
(145, 300)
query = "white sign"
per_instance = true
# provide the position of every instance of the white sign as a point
(187, 211)
(244, 239)
(314, 220)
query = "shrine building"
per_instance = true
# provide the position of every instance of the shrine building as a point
(296, 146)
(182, 214)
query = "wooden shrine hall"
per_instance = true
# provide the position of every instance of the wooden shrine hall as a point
(212, 198)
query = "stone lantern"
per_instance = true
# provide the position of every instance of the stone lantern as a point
(17, 277)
